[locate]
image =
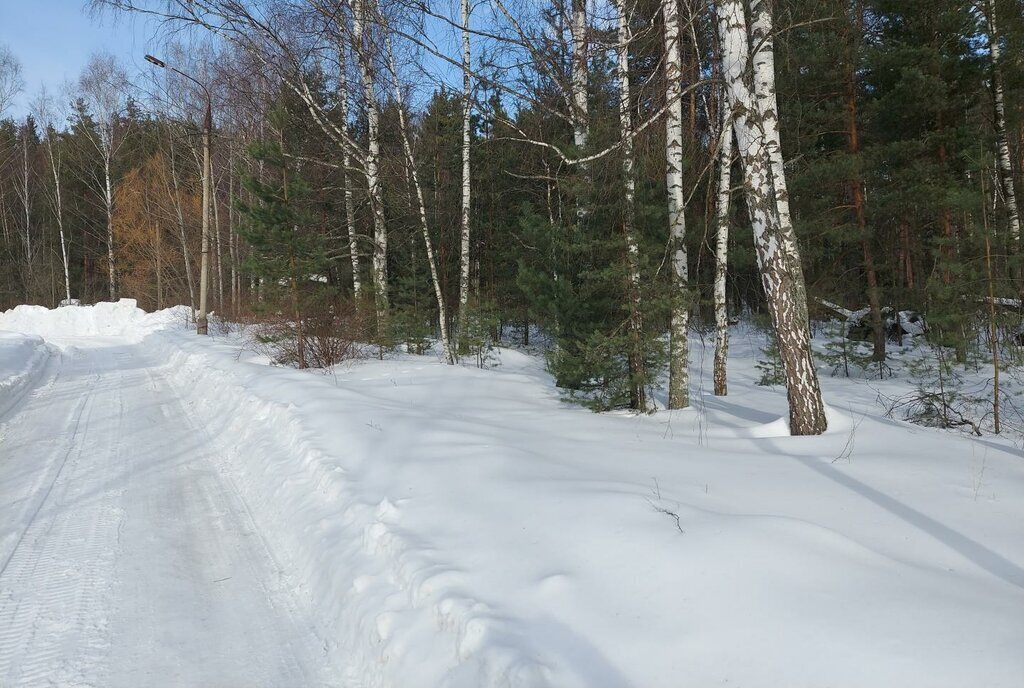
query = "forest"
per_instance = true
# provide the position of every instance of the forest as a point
(611, 179)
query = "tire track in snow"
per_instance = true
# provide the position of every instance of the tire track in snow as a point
(53, 583)
(135, 561)
(246, 560)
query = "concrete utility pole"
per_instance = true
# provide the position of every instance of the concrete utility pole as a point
(204, 270)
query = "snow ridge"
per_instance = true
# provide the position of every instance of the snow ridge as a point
(380, 597)
(22, 360)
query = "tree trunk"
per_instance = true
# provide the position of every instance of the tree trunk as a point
(580, 114)
(857, 194)
(232, 248)
(108, 198)
(636, 357)
(679, 348)
(380, 236)
(467, 101)
(775, 245)
(766, 105)
(202, 324)
(446, 343)
(59, 213)
(722, 253)
(1002, 140)
(346, 180)
(26, 199)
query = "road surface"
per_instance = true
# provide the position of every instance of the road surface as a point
(127, 557)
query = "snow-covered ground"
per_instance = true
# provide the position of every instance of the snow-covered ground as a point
(173, 511)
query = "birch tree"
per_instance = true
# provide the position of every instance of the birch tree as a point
(10, 78)
(755, 123)
(679, 355)
(580, 109)
(635, 356)
(44, 110)
(1002, 140)
(467, 102)
(421, 208)
(722, 203)
(103, 85)
(363, 44)
(346, 179)
(23, 191)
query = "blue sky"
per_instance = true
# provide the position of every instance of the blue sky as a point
(54, 38)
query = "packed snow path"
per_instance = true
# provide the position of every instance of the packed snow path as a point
(126, 557)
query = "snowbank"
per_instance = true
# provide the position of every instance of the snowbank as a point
(122, 318)
(22, 359)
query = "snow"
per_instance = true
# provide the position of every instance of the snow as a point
(405, 523)
(22, 358)
(123, 318)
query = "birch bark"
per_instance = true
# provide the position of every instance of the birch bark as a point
(579, 75)
(446, 343)
(380, 236)
(765, 102)
(26, 204)
(679, 355)
(580, 52)
(467, 96)
(58, 202)
(108, 203)
(346, 180)
(635, 357)
(722, 203)
(1002, 140)
(755, 126)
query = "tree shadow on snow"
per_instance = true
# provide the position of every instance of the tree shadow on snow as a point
(993, 562)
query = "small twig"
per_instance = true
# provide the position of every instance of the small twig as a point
(667, 512)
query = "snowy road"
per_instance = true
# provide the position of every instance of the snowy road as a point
(127, 558)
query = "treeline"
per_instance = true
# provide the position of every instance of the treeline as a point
(473, 173)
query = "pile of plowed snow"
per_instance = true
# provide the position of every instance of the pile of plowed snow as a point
(21, 361)
(104, 319)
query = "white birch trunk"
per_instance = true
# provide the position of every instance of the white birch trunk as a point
(467, 101)
(766, 105)
(579, 76)
(26, 200)
(410, 158)
(232, 250)
(679, 355)
(202, 323)
(636, 358)
(779, 264)
(722, 253)
(1002, 140)
(579, 69)
(108, 198)
(380, 237)
(59, 213)
(346, 180)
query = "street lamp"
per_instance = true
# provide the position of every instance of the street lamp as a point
(204, 271)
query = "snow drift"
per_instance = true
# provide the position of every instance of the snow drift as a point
(105, 319)
(22, 358)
